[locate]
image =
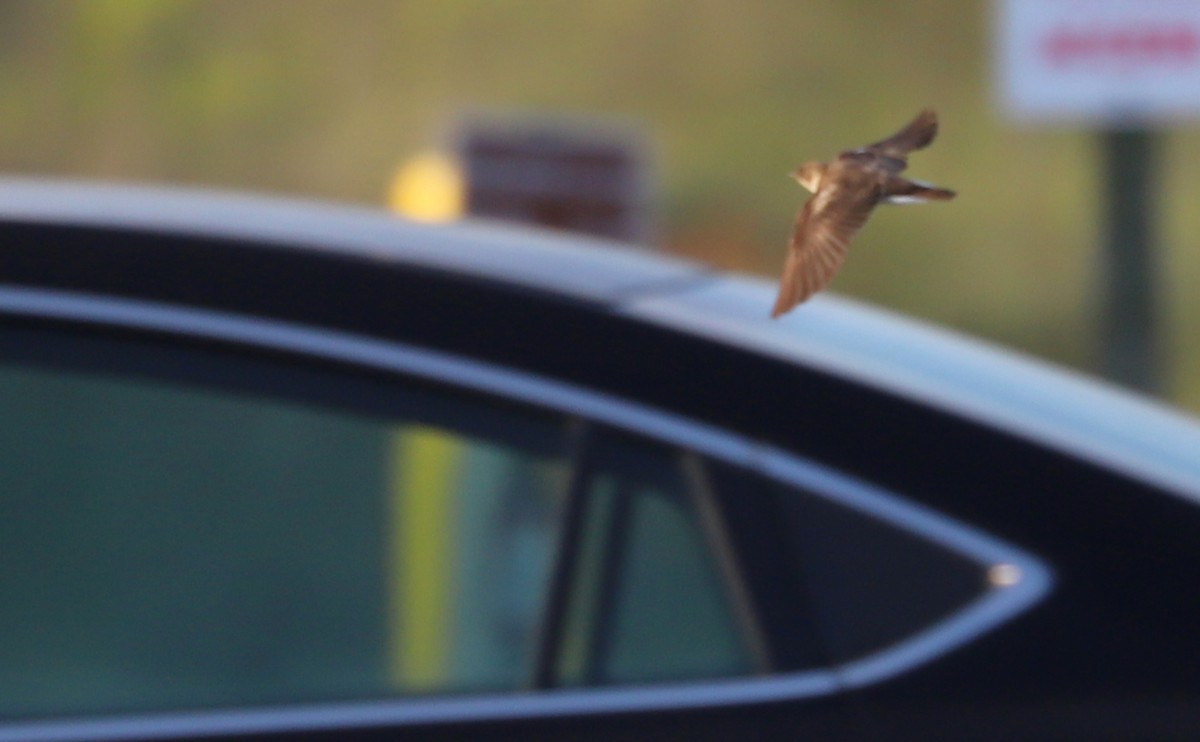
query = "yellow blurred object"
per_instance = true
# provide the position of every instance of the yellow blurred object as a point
(424, 466)
(428, 188)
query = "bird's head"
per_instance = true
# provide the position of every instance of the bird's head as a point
(809, 175)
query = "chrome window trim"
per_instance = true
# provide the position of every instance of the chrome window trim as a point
(1027, 579)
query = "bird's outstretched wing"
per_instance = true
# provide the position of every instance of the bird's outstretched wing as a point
(916, 135)
(823, 231)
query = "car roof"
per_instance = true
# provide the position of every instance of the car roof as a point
(944, 369)
(584, 268)
(872, 346)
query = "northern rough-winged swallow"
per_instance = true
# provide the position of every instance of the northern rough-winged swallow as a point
(844, 193)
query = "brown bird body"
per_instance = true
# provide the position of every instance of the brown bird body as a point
(845, 192)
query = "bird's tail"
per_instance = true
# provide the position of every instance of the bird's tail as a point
(916, 135)
(904, 191)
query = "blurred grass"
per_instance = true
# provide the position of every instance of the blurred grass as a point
(326, 99)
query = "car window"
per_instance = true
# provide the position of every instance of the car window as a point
(191, 527)
(651, 602)
(820, 566)
(182, 529)
(873, 583)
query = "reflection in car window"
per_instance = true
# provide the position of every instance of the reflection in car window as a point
(474, 525)
(649, 602)
(178, 546)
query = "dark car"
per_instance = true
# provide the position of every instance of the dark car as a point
(289, 470)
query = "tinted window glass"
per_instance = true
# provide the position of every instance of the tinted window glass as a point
(650, 601)
(182, 545)
(821, 568)
(873, 583)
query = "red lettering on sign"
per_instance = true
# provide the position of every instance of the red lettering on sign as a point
(1145, 46)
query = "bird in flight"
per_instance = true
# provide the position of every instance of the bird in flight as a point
(844, 193)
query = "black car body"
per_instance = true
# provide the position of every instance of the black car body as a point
(275, 468)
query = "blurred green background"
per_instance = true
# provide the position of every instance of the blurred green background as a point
(328, 98)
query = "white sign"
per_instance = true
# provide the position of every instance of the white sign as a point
(1102, 62)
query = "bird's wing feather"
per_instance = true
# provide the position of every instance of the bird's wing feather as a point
(822, 234)
(917, 134)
